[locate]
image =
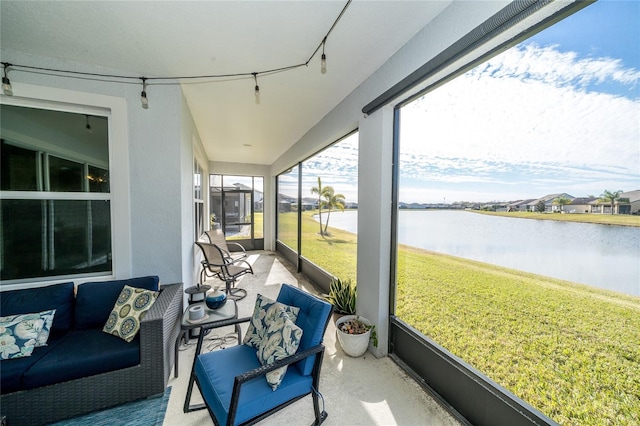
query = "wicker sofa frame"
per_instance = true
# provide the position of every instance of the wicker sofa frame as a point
(158, 333)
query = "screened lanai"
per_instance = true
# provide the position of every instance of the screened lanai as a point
(226, 135)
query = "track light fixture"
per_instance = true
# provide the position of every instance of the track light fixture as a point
(143, 95)
(6, 83)
(256, 90)
(323, 58)
(87, 126)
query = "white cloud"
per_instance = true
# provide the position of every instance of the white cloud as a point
(527, 113)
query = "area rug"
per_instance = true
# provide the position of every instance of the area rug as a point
(147, 412)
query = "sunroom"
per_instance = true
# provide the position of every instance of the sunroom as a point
(173, 118)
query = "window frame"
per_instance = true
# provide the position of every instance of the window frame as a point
(115, 109)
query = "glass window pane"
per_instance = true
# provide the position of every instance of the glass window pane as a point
(22, 238)
(50, 238)
(65, 175)
(19, 168)
(197, 181)
(98, 179)
(42, 238)
(329, 226)
(496, 167)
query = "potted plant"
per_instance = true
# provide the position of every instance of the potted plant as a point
(354, 333)
(342, 295)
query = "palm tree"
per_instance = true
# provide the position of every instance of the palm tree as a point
(332, 201)
(322, 193)
(610, 197)
(562, 201)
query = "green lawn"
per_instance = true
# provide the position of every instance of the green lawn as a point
(335, 253)
(571, 351)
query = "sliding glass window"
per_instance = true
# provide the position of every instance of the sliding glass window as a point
(505, 257)
(55, 194)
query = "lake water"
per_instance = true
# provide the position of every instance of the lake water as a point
(599, 255)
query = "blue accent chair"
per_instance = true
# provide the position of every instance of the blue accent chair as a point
(232, 381)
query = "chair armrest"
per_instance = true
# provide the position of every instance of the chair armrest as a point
(261, 371)
(158, 332)
(239, 245)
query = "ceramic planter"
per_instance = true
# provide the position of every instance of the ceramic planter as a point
(354, 345)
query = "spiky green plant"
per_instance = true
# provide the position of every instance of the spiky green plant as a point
(342, 295)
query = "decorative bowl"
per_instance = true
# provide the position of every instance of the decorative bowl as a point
(215, 299)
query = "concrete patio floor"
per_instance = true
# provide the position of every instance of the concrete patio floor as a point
(356, 391)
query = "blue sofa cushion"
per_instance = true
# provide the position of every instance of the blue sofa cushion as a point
(94, 301)
(312, 319)
(58, 296)
(82, 353)
(11, 371)
(216, 384)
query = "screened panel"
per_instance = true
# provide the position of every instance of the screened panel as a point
(288, 185)
(506, 257)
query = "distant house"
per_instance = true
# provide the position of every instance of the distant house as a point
(629, 203)
(519, 206)
(580, 205)
(633, 206)
(548, 202)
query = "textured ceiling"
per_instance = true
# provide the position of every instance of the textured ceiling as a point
(178, 38)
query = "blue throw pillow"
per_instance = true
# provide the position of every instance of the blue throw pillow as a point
(282, 338)
(265, 310)
(43, 336)
(19, 334)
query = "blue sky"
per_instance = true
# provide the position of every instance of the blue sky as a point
(558, 113)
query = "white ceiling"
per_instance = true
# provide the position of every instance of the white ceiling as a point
(179, 38)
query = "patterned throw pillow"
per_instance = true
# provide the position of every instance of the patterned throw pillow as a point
(130, 308)
(19, 334)
(282, 339)
(265, 310)
(43, 336)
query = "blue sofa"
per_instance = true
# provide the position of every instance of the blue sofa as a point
(83, 369)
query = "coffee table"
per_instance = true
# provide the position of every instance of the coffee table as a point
(212, 319)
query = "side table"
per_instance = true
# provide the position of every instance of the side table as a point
(226, 315)
(228, 311)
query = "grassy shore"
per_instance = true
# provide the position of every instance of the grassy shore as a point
(601, 219)
(571, 351)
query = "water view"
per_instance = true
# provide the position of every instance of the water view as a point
(603, 256)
